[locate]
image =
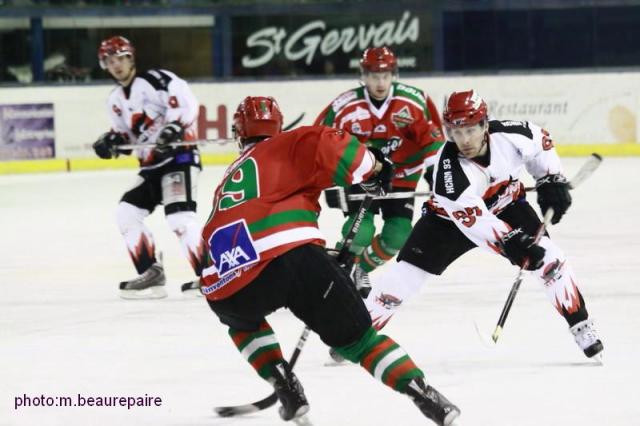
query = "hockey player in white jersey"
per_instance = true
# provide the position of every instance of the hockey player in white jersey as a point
(478, 201)
(153, 109)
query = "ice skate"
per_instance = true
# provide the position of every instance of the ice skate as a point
(335, 359)
(148, 285)
(289, 392)
(587, 339)
(361, 280)
(432, 403)
(191, 288)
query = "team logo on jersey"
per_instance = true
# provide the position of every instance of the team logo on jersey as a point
(231, 247)
(403, 117)
(380, 128)
(356, 128)
(117, 110)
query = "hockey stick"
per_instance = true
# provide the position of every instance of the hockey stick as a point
(516, 284)
(175, 144)
(585, 171)
(221, 141)
(342, 256)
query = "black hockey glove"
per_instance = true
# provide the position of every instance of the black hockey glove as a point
(380, 183)
(172, 132)
(105, 146)
(519, 247)
(553, 191)
(337, 198)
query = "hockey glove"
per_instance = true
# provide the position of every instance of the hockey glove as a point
(380, 183)
(519, 247)
(172, 132)
(105, 146)
(553, 191)
(337, 198)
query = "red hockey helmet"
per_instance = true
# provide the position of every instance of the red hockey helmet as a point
(257, 116)
(378, 59)
(464, 109)
(116, 45)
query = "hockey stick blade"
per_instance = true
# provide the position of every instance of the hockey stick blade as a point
(239, 410)
(587, 169)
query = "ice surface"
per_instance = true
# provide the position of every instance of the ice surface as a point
(64, 331)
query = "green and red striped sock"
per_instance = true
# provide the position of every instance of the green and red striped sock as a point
(383, 358)
(260, 348)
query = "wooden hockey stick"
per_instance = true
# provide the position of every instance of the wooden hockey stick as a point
(342, 256)
(585, 171)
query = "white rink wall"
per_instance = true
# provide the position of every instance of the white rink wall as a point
(582, 108)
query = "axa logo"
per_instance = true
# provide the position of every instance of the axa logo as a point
(233, 258)
(231, 247)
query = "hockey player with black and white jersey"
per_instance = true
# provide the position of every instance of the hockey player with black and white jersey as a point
(479, 201)
(153, 109)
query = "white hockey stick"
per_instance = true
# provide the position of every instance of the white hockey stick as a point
(587, 169)
(175, 144)
(201, 141)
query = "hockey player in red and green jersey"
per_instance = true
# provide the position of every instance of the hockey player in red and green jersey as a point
(404, 124)
(267, 252)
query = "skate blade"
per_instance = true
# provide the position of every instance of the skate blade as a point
(189, 291)
(597, 359)
(486, 342)
(302, 420)
(332, 363)
(450, 419)
(156, 292)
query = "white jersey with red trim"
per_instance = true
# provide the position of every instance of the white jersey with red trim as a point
(472, 192)
(153, 99)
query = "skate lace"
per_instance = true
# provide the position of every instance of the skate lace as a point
(147, 275)
(586, 336)
(362, 278)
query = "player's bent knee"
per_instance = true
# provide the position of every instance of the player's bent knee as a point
(395, 232)
(129, 216)
(180, 221)
(354, 351)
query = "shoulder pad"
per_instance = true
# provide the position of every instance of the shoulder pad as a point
(411, 90)
(510, 126)
(157, 79)
(450, 181)
(339, 102)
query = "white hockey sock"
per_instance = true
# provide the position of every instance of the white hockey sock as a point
(397, 283)
(137, 236)
(185, 226)
(558, 279)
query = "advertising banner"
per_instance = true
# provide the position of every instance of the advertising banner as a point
(327, 44)
(26, 131)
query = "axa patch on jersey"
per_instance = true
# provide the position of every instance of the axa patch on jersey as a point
(231, 247)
